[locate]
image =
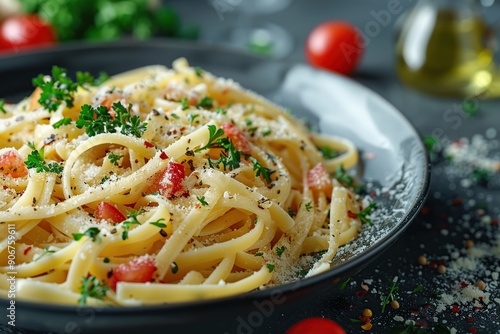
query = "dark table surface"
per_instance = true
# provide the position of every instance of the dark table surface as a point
(458, 208)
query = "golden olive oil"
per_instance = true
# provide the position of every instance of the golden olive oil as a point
(445, 53)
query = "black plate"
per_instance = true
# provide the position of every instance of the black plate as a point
(334, 104)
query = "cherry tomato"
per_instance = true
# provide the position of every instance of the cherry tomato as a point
(237, 137)
(335, 46)
(319, 181)
(170, 184)
(139, 270)
(315, 326)
(11, 163)
(107, 211)
(25, 32)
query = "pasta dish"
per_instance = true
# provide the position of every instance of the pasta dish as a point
(164, 185)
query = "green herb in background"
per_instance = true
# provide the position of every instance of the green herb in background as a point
(110, 19)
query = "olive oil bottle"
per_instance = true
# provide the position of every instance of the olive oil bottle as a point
(444, 48)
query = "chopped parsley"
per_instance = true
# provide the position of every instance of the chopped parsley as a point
(114, 158)
(342, 176)
(46, 251)
(220, 110)
(159, 223)
(308, 206)
(36, 160)
(205, 102)
(98, 120)
(198, 71)
(59, 88)
(192, 117)
(280, 250)
(266, 132)
(61, 122)
(202, 200)
(259, 254)
(391, 295)
(105, 260)
(91, 232)
(418, 289)
(131, 220)
(261, 170)
(184, 103)
(291, 212)
(328, 153)
(343, 285)
(230, 159)
(270, 267)
(91, 287)
(214, 133)
(365, 213)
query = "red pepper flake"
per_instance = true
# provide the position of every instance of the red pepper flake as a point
(4, 187)
(455, 308)
(494, 221)
(470, 319)
(361, 293)
(414, 312)
(148, 144)
(364, 319)
(426, 305)
(464, 284)
(473, 330)
(420, 324)
(443, 216)
(351, 214)
(456, 201)
(27, 250)
(163, 156)
(425, 210)
(478, 308)
(435, 264)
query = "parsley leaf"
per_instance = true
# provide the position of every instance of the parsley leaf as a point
(214, 133)
(61, 122)
(205, 102)
(46, 250)
(328, 152)
(308, 206)
(391, 295)
(184, 103)
(2, 106)
(159, 223)
(91, 287)
(261, 170)
(198, 71)
(114, 158)
(280, 250)
(270, 267)
(98, 120)
(91, 232)
(363, 214)
(59, 88)
(342, 176)
(131, 220)
(36, 160)
(202, 200)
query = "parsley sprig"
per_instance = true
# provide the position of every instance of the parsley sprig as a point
(36, 159)
(99, 120)
(261, 170)
(46, 251)
(214, 133)
(391, 295)
(131, 220)
(59, 88)
(91, 287)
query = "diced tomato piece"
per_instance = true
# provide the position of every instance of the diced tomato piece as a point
(139, 270)
(319, 181)
(107, 211)
(11, 163)
(238, 138)
(170, 184)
